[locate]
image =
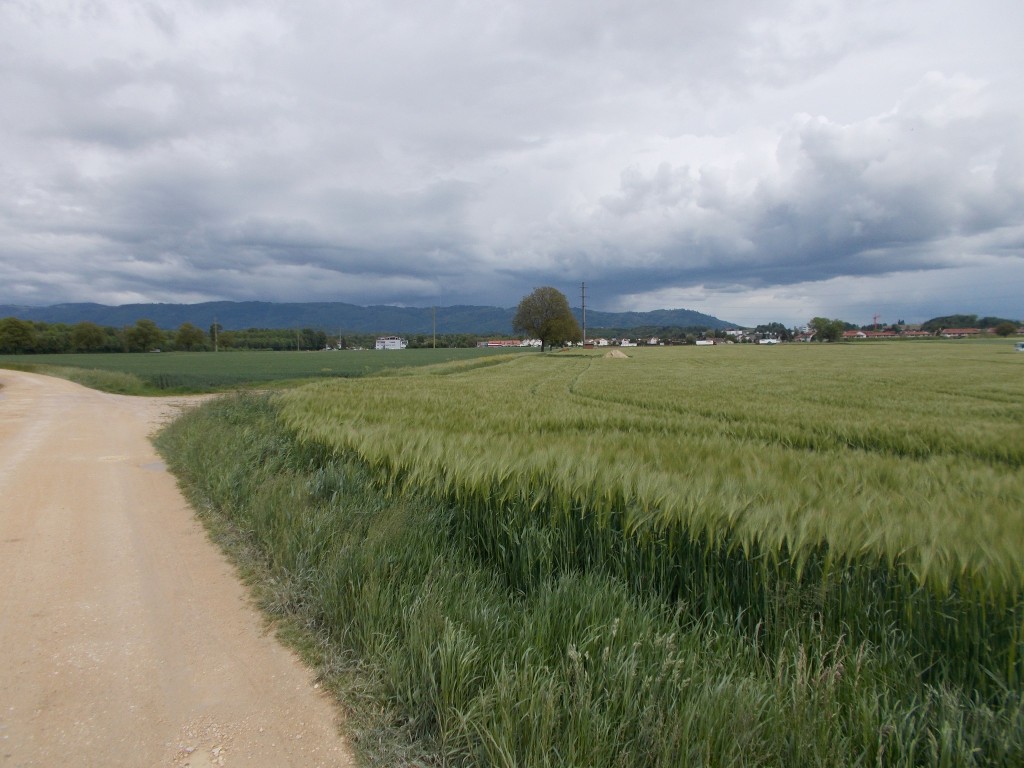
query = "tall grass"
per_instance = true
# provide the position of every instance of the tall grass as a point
(568, 663)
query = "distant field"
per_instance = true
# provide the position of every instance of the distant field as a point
(203, 371)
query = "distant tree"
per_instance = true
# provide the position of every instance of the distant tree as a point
(545, 315)
(87, 337)
(144, 336)
(774, 330)
(16, 336)
(1005, 328)
(827, 330)
(51, 338)
(457, 340)
(189, 337)
(312, 339)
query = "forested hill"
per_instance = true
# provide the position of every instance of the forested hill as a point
(336, 316)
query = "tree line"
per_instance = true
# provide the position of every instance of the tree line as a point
(27, 337)
(32, 337)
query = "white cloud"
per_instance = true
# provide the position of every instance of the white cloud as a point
(793, 151)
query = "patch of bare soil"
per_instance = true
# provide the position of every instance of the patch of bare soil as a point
(126, 636)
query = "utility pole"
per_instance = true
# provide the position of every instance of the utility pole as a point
(433, 314)
(214, 333)
(583, 301)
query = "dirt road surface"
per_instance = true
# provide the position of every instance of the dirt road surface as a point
(126, 638)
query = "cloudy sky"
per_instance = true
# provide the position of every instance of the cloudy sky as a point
(758, 160)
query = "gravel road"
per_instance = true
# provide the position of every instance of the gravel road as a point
(126, 638)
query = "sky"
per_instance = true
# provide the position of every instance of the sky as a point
(756, 160)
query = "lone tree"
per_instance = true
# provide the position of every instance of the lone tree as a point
(545, 315)
(827, 330)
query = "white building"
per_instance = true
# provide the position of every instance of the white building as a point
(391, 342)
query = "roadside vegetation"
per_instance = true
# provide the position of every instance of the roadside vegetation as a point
(732, 556)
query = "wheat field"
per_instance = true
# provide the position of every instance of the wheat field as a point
(886, 477)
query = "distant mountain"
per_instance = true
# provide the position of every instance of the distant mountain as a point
(337, 316)
(658, 318)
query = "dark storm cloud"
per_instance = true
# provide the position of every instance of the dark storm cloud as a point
(900, 192)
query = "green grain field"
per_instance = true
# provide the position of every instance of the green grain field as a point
(910, 456)
(740, 555)
(178, 372)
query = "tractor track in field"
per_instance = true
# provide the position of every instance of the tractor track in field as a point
(126, 636)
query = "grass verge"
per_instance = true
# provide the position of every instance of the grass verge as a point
(438, 661)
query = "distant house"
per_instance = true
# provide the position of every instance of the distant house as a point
(916, 334)
(500, 343)
(705, 342)
(768, 341)
(959, 333)
(847, 335)
(391, 342)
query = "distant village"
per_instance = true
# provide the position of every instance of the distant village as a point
(761, 335)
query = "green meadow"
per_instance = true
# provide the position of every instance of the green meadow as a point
(738, 555)
(182, 372)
